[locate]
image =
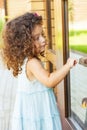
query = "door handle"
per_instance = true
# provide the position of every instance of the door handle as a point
(83, 61)
(84, 102)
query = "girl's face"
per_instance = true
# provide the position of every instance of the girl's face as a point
(39, 40)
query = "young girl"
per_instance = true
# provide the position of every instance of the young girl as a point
(35, 106)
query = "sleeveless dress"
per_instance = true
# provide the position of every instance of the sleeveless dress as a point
(35, 106)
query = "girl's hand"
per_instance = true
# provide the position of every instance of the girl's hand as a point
(71, 62)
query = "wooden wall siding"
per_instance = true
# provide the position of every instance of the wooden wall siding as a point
(16, 7)
(37, 6)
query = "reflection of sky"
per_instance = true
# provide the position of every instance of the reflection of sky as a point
(78, 87)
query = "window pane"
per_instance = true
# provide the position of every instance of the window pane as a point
(78, 48)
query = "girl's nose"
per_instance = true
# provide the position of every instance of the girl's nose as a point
(42, 40)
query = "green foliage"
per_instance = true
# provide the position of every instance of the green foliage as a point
(80, 48)
(77, 32)
(78, 40)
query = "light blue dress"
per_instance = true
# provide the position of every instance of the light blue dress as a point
(35, 106)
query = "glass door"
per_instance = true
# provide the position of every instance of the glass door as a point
(77, 12)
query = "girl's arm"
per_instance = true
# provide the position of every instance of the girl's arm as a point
(49, 79)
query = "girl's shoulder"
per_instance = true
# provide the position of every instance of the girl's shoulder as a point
(33, 62)
(32, 68)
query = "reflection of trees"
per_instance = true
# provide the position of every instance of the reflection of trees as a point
(70, 9)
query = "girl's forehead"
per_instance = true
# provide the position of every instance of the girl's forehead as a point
(37, 30)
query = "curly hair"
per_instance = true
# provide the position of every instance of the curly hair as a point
(17, 36)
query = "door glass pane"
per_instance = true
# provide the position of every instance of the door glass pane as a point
(78, 48)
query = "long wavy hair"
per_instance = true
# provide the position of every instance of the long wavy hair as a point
(17, 36)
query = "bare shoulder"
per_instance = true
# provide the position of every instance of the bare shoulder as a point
(31, 67)
(34, 64)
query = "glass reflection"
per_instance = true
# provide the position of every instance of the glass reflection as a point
(78, 48)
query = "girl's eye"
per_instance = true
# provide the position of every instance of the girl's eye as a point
(37, 38)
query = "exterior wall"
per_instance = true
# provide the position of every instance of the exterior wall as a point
(16, 7)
